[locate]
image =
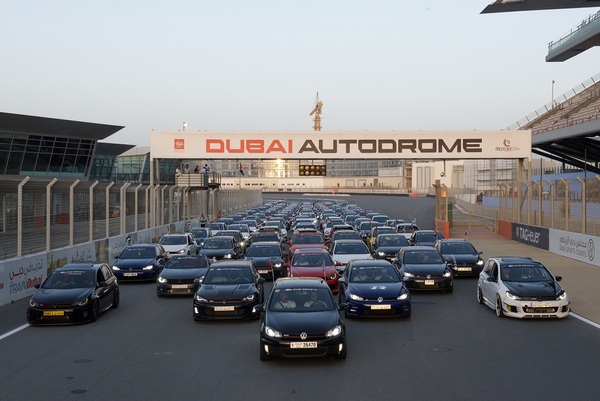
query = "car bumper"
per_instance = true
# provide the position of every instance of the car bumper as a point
(277, 348)
(543, 309)
(59, 315)
(268, 272)
(176, 289)
(465, 270)
(418, 284)
(219, 311)
(137, 275)
(379, 309)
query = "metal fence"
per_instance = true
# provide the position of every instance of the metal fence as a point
(40, 216)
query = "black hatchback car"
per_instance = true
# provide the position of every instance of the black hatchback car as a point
(461, 256)
(182, 275)
(301, 319)
(141, 262)
(230, 290)
(423, 268)
(74, 293)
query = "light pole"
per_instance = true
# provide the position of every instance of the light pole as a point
(552, 102)
(186, 124)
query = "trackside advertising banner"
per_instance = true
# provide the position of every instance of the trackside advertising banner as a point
(577, 246)
(531, 235)
(341, 145)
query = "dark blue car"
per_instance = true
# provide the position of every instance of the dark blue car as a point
(141, 262)
(373, 288)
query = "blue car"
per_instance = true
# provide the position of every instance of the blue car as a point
(140, 262)
(373, 288)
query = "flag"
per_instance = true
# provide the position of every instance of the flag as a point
(241, 169)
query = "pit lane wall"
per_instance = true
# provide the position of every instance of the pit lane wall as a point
(581, 247)
(18, 276)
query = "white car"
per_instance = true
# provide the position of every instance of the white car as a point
(179, 244)
(521, 287)
(345, 250)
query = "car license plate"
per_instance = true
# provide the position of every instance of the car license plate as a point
(54, 313)
(224, 308)
(264, 271)
(129, 274)
(429, 282)
(463, 269)
(306, 344)
(381, 306)
(179, 287)
(541, 305)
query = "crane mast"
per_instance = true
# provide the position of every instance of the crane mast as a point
(316, 111)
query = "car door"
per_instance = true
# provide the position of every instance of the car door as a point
(104, 292)
(489, 282)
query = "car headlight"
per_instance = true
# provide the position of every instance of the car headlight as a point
(115, 268)
(162, 280)
(83, 302)
(333, 276)
(560, 296)
(355, 297)
(512, 296)
(272, 333)
(150, 267)
(278, 264)
(249, 298)
(199, 280)
(182, 251)
(402, 297)
(201, 299)
(480, 262)
(33, 304)
(409, 275)
(381, 253)
(447, 274)
(228, 256)
(334, 332)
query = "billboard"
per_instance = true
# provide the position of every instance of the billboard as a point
(341, 145)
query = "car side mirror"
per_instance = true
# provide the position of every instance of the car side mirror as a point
(558, 278)
(491, 279)
(259, 308)
(342, 280)
(343, 306)
(103, 284)
(261, 280)
(480, 252)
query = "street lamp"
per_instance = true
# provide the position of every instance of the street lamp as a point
(185, 125)
(552, 103)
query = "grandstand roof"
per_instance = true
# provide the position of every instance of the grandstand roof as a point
(502, 6)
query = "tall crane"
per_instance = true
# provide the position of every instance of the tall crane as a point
(317, 112)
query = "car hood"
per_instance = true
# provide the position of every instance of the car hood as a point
(264, 261)
(376, 289)
(210, 291)
(422, 269)
(215, 252)
(308, 271)
(461, 258)
(174, 248)
(61, 296)
(296, 322)
(134, 263)
(534, 289)
(390, 249)
(347, 257)
(183, 273)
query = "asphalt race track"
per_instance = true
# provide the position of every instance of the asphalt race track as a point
(451, 348)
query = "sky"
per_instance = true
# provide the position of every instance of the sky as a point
(241, 65)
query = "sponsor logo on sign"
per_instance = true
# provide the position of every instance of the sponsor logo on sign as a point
(507, 147)
(179, 144)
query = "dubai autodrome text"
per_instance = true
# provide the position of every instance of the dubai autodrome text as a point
(433, 145)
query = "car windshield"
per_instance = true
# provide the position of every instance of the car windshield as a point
(426, 237)
(458, 249)
(69, 279)
(368, 274)
(187, 263)
(200, 233)
(263, 251)
(422, 257)
(525, 273)
(217, 226)
(307, 239)
(352, 249)
(137, 253)
(300, 300)
(228, 275)
(217, 243)
(173, 240)
(312, 260)
(396, 240)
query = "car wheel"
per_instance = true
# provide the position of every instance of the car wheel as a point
(95, 311)
(116, 299)
(479, 294)
(449, 290)
(499, 311)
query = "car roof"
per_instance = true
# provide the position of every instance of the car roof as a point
(515, 259)
(369, 262)
(232, 263)
(81, 266)
(299, 282)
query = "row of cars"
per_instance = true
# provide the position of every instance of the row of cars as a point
(312, 285)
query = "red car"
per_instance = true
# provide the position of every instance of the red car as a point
(315, 262)
(305, 239)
